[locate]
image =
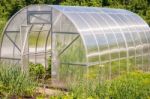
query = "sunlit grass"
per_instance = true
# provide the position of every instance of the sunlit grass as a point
(14, 82)
(135, 85)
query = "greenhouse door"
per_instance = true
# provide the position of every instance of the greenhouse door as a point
(24, 30)
(36, 38)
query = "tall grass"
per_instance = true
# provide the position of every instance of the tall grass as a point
(14, 82)
(135, 85)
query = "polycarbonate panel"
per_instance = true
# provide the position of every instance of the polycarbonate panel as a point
(90, 43)
(65, 25)
(78, 21)
(39, 18)
(37, 27)
(38, 7)
(126, 34)
(121, 44)
(144, 42)
(17, 20)
(114, 50)
(114, 11)
(102, 42)
(74, 54)
(7, 48)
(71, 9)
(11, 45)
(90, 21)
(108, 20)
(139, 20)
(15, 37)
(92, 47)
(130, 42)
(119, 34)
(100, 20)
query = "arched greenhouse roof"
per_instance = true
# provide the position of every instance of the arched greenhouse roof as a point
(104, 32)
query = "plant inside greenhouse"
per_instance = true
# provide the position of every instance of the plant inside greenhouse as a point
(90, 52)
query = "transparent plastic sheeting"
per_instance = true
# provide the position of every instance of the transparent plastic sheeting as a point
(105, 35)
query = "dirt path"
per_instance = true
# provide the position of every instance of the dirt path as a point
(49, 92)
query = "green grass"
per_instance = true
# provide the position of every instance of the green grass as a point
(135, 85)
(14, 82)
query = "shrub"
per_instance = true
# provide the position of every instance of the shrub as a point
(36, 70)
(14, 82)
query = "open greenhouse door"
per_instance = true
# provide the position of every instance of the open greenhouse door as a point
(35, 39)
(54, 61)
(24, 30)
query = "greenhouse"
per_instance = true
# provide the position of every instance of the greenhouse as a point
(89, 41)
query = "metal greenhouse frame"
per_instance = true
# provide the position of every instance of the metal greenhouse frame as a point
(84, 37)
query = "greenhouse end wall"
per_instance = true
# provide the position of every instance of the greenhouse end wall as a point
(84, 43)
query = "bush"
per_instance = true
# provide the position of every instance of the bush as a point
(14, 82)
(36, 70)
